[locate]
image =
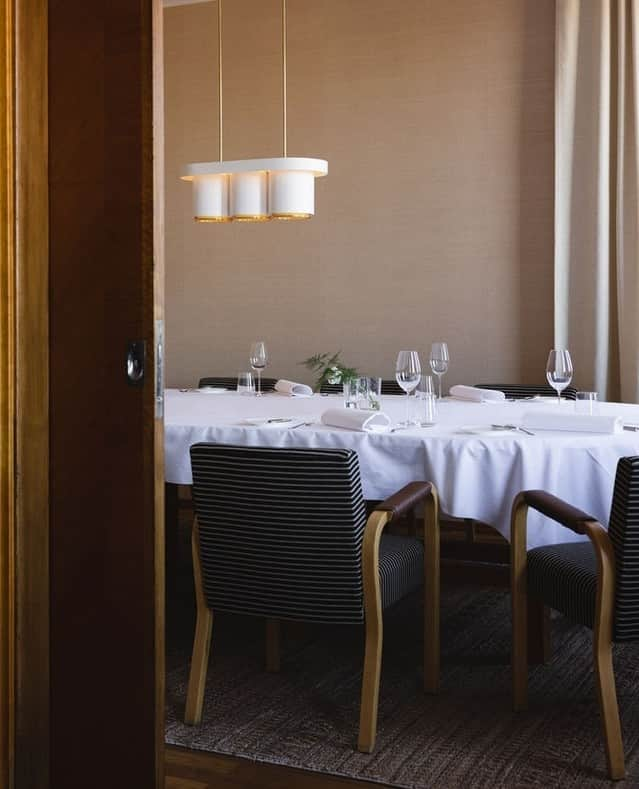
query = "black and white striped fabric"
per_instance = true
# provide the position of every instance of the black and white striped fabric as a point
(226, 382)
(565, 576)
(523, 390)
(624, 535)
(331, 389)
(389, 387)
(281, 534)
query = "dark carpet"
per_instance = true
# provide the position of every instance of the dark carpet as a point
(306, 716)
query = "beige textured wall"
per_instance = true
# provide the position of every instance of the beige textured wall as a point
(435, 221)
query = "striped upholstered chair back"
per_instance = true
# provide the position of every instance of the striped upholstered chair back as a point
(389, 387)
(623, 530)
(280, 531)
(331, 389)
(524, 390)
(227, 382)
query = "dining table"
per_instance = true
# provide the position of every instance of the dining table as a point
(475, 453)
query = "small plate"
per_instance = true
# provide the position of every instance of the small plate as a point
(272, 422)
(211, 390)
(480, 430)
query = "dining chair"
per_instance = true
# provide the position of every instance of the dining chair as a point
(595, 583)
(282, 534)
(228, 382)
(389, 387)
(523, 390)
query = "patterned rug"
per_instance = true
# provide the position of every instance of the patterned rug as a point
(306, 716)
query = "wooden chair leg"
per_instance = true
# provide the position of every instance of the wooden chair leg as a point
(273, 645)
(370, 684)
(374, 632)
(605, 678)
(199, 665)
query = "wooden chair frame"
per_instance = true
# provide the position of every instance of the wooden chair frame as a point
(602, 630)
(373, 620)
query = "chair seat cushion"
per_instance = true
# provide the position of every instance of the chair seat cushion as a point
(564, 577)
(401, 567)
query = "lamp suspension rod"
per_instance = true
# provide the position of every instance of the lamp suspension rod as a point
(284, 49)
(219, 79)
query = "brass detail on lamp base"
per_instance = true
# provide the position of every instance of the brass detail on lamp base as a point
(288, 217)
(217, 219)
(251, 218)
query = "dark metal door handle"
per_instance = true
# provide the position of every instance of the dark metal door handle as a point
(136, 350)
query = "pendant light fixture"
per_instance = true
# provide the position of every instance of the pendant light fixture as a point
(254, 190)
(211, 190)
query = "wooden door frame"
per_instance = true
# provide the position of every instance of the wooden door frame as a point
(24, 397)
(24, 393)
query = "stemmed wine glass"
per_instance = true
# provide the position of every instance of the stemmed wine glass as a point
(559, 370)
(258, 359)
(407, 374)
(439, 360)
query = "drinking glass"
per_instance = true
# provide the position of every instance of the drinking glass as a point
(373, 394)
(439, 360)
(245, 384)
(559, 370)
(586, 403)
(425, 402)
(407, 373)
(361, 392)
(258, 359)
(351, 392)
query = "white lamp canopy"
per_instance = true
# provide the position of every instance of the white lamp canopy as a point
(254, 190)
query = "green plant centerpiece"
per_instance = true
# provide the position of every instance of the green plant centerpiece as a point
(330, 368)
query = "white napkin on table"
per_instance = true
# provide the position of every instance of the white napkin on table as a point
(293, 389)
(476, 394)
(357, 419)
(579, 423)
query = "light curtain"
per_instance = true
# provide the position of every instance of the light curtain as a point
(596, 193)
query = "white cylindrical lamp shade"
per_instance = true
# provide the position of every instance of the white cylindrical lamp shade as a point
(249, 197)
(291, 194)
(211, 198)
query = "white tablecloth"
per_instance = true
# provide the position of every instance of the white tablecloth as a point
(477, 473)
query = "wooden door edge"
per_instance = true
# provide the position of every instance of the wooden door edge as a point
(7, 397)
(157, 59)
(32, 593)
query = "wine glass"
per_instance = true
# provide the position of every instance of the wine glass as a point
(559, 370)
(258, 359)
(439, 360)
(407, 373)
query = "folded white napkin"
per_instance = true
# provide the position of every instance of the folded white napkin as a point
(293, 389)
(579, 423)
(357, 419)
(462, 392)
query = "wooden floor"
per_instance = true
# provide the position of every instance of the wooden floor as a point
(187, 769)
